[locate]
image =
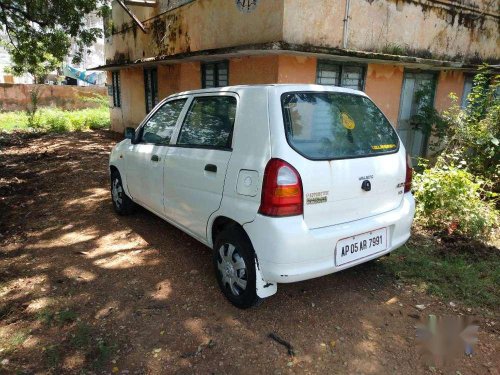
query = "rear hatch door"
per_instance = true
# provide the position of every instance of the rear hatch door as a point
(347, 153)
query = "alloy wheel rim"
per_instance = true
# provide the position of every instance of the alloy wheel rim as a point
(117, 192)
(232, 269)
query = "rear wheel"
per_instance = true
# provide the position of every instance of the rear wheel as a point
(234, 263)
(122, 204)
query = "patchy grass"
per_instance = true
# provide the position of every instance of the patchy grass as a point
(82, 336)
(57, 120)
(52, 356)
(451, 268)
(10, 343)
(101, 353)
(18, 338)
(63, 317)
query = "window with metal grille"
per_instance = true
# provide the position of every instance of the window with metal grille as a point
(151, 88)
(115, 83)
(215, 74)
(349, 76)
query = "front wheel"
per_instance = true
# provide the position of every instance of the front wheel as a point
(234, 263)
(122, 204)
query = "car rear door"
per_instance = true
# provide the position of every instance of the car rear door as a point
(195, 168)
(347, 153)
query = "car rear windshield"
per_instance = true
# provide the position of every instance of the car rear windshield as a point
(333, 125)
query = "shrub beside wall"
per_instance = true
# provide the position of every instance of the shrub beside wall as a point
(58, 120)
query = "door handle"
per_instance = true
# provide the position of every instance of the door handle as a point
(211, 168)
(155, 158)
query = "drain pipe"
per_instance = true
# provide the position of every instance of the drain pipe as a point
(346, 24)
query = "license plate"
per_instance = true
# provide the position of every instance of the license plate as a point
(360, 246)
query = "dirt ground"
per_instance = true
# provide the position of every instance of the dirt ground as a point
(85, 291)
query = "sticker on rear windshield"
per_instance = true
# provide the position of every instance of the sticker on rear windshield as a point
(383, 147)
(347, 121)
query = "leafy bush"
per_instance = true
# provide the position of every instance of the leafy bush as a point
(53, 120)
(10, 121)
(57, 120)
(473, 133)
(451, 198)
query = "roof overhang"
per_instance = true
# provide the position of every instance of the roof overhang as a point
(277, 48)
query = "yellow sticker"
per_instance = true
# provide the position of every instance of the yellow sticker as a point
(383, 147)
(347, 121)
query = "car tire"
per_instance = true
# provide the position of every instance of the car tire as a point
(234, 264)
(122, 204)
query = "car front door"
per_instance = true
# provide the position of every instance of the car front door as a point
(146, 157)
(195, 168)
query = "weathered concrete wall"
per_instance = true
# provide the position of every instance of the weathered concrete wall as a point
(16, 97)
(383, 84)
(133, 104)
(314, 22)
(198, 25)
(424, 28)
(440, 29)
(297, 69)
(449, 81)
(253, 70)
(190, 76)
(171, 79)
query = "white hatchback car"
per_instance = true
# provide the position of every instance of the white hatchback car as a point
(284, 182)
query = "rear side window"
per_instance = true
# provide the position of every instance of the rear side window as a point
(209, 122)
(336, 126)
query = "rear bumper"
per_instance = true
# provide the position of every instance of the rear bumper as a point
(288, 251)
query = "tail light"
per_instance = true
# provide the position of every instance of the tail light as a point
(281, 190)
(409, 174)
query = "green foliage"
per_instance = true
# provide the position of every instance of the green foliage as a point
(57, 120)
(470, 276)
(82, 337)
(102, 352)
(15, 120)
(52, 356)
(459, 192)
(473, 133)
(395, 49)
(100, 100)
(46, 317)
(40, 32)
(32, 109)
(62, 317)
(427, 118)
(449, 197)
(19, 338)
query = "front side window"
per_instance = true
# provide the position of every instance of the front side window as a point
(215, 74)
(209, 122)
(349, 76)
(159, 128)
(151, 88)
(325, 126)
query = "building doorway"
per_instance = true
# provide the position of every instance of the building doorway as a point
(414, 85)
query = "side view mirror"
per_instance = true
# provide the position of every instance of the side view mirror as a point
(129, 133)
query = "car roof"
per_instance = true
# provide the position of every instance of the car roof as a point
(279, 87)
